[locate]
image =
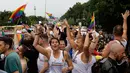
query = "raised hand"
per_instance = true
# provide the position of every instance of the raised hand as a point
(66, 23)
(56, 31)
(126, 14)
(94, 35)
(64, 70)
(38, 29)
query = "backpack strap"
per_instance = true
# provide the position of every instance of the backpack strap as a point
(120, 43)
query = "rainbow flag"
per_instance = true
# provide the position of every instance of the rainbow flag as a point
(50, 15)
(92, 24)
(19, 36)
(17, 13)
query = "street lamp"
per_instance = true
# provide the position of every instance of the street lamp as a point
(45, 8)
(35, 10)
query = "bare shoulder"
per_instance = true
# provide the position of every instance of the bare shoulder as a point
(65, 53)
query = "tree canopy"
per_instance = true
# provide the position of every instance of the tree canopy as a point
(4, 19)
(107, 12)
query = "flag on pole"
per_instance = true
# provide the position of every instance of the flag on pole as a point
(92, 24)
(19, 36)
(17, 13)
(50, 15)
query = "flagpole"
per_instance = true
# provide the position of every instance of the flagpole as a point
(45, 8)
(34, 10)
(94, 21)
(94, 27)
(18, 21)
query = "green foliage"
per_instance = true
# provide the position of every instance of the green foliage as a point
(4, 19)
(71, 21)
(74, 12)
(107, 12)
(35, 19)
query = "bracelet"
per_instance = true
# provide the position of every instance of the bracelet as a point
(37, 34)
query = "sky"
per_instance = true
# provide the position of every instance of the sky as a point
(56, 7)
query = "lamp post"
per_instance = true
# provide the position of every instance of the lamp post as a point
(45, 9)
(35, 10)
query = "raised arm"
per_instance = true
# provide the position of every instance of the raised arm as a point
(16, 42)
(86, 46)
(38, 47)
(56, 32)
(69, 37)
(125, 15)
(33, 32)
(79, 33)
(94, 42)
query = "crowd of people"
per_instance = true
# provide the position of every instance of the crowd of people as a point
(64, 49)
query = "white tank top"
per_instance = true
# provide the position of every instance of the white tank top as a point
(40, 61)
(56, 64)
(75, 55)
(81, 67)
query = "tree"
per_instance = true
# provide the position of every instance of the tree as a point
(36, 19)
(71, 21)
(75, 12)
(107, 12)
(4, 17)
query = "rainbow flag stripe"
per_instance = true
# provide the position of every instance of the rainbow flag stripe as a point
(50, 15)
(92, 24)
(19, 36)
(17, 13)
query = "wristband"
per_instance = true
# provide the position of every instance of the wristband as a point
(45, 60)
(37, 34)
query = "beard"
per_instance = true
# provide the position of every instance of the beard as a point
(119, 60)
(1, 52)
